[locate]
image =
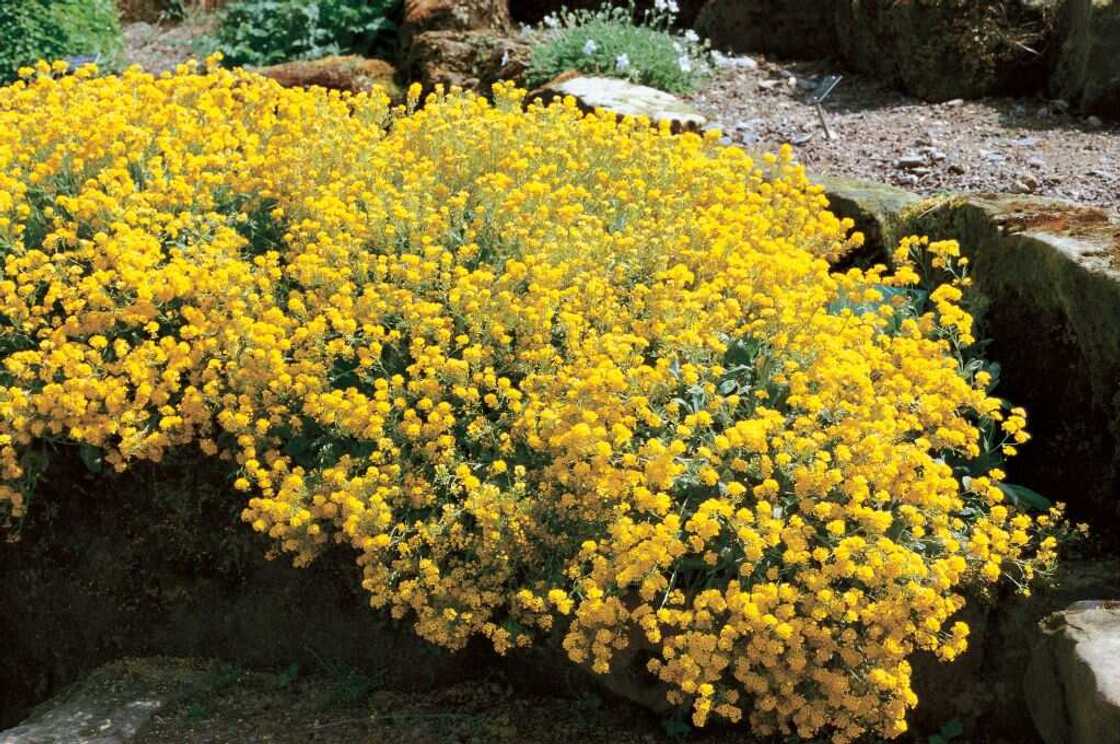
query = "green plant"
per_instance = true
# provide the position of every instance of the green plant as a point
(950, 732)
(620, 42)
(265, 32)
(54, 29)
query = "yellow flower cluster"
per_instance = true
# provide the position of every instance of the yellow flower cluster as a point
(540, 370)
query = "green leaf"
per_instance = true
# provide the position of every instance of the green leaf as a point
(91, 457)
(952, 729)
(1024, 497)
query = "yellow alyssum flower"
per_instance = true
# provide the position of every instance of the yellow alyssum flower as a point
(533, 367)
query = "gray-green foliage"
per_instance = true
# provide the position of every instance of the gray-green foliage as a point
(31, 30)
(265, 32)
(619, 42)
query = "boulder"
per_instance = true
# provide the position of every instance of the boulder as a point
(622, 98)
(110, 706)
(945, 49)
(1088, 67)
(455, 15)
(346, 73)
(877, 209)
(1073, 683)
(983, 688)
(787, 28)
(469, 59)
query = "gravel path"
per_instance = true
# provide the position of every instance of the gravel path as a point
(1006, 145)
(160, 47)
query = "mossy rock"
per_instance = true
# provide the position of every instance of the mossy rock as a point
(878, 211)
(944, 49)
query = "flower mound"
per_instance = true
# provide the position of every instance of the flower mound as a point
(541, 371)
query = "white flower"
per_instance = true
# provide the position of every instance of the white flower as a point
(622, 62)
(677, 46)
(663, 6)
(685, 63)
(590, 47)
(691, 37)
(551, 21)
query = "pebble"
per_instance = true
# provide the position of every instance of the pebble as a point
(1036, 163)
(957, 169)
(910, 161)
(1025, 185)
(1094, 122)
(955, 103)
(741, 63)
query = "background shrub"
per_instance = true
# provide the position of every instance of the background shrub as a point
(53, 29)
(265, 32)
(620, 42)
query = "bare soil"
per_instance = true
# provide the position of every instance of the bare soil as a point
(1026, 146)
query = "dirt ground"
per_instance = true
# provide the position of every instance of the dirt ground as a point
(222, 704)
(1004, 145)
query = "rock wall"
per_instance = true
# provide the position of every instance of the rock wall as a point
(158, 562)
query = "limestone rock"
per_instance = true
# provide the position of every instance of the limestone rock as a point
(1088, 68)
(110, 706)
(469, 59)
(455, 15)
(622, 98)
(1073, 683)
(787, 28)
(944, 50)
(346, 73)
